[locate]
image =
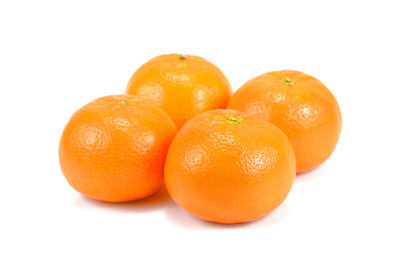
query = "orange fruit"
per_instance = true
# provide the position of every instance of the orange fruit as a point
(226, 166)
(182, 85)
(301, 106)
(113, 149)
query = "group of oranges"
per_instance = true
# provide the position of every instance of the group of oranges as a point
(223, 158)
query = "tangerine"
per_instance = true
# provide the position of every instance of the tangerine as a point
(113, 149)
(182, 85)
(301, 106)
(228, 167)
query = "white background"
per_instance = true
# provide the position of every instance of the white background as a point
(56, 56)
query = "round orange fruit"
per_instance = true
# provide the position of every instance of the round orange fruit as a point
(113, 149)
(182, 85)
(301, 106)
(227, 167)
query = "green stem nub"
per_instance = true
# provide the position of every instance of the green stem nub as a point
(234, 120)
(122, 102)
(182, 57)
(288, 81)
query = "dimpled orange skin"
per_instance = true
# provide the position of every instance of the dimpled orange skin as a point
(182, 85)
(301, 106)
(113, 149)
(227, 167)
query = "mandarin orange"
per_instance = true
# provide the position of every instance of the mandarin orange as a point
(182, 85)
(113, 149)
(301, 106)
(228, 167)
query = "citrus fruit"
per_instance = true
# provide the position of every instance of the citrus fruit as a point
(227, 167)
(301, 106)
(182, 85)
(113, 149)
